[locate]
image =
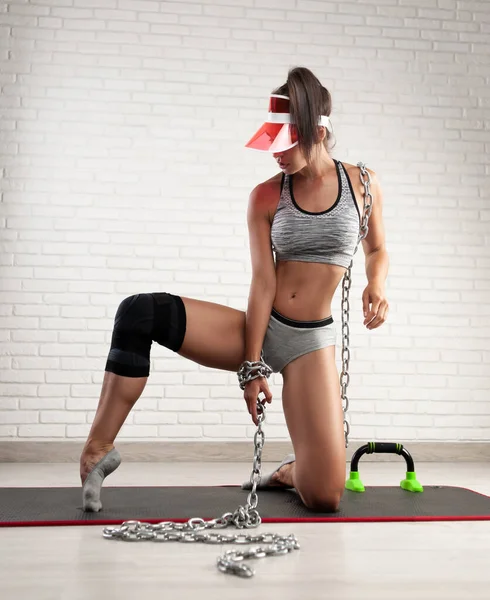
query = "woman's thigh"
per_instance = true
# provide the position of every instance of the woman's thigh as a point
(215, 335)
(314, 416)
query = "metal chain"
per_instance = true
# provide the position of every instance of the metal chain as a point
(250, 370)
(345, 307)
(244, 517)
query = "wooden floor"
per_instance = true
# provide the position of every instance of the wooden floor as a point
(392, 561)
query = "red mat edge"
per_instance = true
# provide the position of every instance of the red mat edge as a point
(264, 521)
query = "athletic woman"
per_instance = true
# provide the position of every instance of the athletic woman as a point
(303, 229)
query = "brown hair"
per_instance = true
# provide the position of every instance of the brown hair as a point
(308, 101)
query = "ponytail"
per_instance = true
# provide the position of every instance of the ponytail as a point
(308, 100)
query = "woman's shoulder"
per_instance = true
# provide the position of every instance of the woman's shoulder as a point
(273, 181)
(265, 196)
(269, 188)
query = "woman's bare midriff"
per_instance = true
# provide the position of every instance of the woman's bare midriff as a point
(304, 291)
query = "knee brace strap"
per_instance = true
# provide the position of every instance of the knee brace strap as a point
(140, 320)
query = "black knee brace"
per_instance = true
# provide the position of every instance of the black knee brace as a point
(140, 320)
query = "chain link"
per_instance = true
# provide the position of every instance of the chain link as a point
(345, 307)
(244, 517)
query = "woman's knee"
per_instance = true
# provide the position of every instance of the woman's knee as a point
(141, 319)
(322, 498)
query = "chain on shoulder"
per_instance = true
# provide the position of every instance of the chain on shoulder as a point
(197, 529)
(345, 307)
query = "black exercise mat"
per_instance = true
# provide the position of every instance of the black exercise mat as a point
(62, 506)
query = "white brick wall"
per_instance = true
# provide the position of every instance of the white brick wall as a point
(123, 170)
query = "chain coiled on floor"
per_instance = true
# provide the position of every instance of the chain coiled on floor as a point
(195, 529)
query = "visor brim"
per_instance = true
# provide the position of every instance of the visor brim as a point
(273, 137)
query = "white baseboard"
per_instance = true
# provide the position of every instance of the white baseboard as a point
(62, 452)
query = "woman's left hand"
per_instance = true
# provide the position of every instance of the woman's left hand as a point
(375, 306)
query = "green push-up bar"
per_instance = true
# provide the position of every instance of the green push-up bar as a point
(410, 483)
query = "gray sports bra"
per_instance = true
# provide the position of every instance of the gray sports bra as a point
(326, 237)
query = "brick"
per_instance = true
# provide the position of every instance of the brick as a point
(42, 431)
(199, 419)
(77, 431)
(155, 418)
(180, 431)
(62, 416)
(8, 431)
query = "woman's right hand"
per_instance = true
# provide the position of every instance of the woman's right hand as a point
(251, 394)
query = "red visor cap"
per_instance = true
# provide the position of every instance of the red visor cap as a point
(276, 134)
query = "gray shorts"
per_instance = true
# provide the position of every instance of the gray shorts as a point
(287, 339)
